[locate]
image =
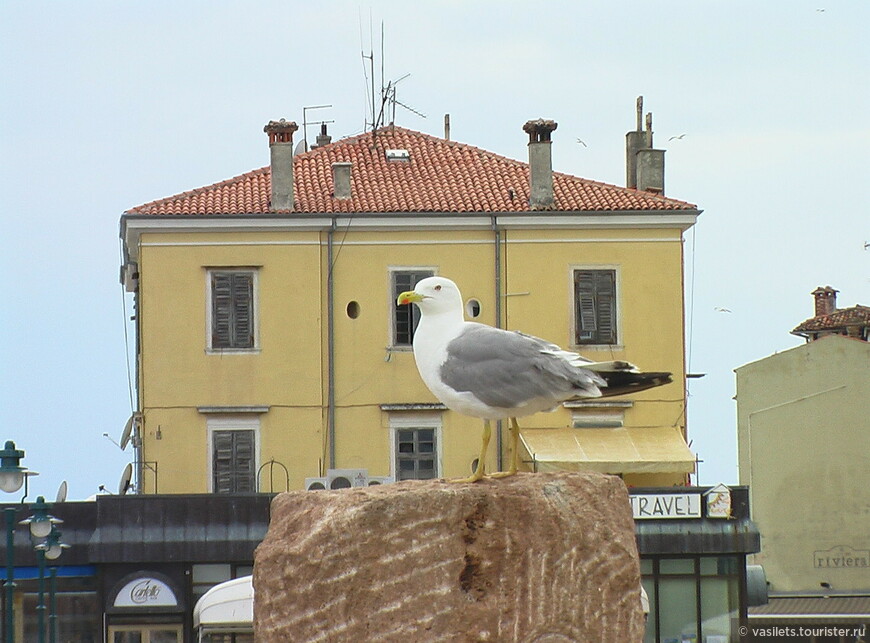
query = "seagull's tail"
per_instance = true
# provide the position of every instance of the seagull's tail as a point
(622, 382)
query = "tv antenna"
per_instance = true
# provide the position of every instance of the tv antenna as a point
(383, 103)
(305, 124)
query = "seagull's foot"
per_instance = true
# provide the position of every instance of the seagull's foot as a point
(503, 474)
(474, 477)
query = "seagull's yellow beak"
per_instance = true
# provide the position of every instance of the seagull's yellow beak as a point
(408, 297)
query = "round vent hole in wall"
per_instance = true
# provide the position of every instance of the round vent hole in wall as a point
(472, 308)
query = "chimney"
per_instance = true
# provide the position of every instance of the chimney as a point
(634, 141)
(825, 300)
(323, 138)
(281, 151)
(644, 166)
(341, 180)
(540, 163)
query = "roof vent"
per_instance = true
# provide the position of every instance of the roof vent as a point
(341, 180)
(398, 155)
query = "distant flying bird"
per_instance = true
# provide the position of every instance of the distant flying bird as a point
(721, 310)
(496, 374)
(582, 143)
(820, 10)
(679, 138)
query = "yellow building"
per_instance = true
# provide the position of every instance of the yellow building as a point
(268, 336)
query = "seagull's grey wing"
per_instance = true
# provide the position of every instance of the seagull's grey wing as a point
(505, 369)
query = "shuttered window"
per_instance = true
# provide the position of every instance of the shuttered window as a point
(233, 461)
(232, 309)
(406, 318)
(595, 306)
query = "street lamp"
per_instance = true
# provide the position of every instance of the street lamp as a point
(41, 522)
(12, 477)
(50, 549)
(53, 548)
(12, 474)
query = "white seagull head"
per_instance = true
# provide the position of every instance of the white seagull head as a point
(433, 295)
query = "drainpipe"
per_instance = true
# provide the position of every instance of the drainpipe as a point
(498, 324)
(330, 347)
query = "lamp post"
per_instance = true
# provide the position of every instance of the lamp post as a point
(12, 477)
(52, 605)
(50, 550)
(41, 525)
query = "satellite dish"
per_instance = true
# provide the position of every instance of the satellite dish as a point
(300, 148)
(125, 435)
(124, 485)
(61, 492)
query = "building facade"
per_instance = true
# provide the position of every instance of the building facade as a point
(268, 333)
(271, 355)
(803, 436)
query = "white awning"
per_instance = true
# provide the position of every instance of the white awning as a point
(227, 605)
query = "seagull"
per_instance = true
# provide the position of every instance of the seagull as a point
(678, 138)
(582, 143)
(719, 309)
(496, 374)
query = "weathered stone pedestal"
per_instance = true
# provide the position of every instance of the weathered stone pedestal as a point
(537, 557)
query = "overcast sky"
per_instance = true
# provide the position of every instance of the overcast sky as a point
(107, 105)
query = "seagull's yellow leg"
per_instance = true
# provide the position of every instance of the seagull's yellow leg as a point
(478, 471)
(515, 457)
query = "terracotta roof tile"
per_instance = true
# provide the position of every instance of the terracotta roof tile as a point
(441, 176)
(837, 320)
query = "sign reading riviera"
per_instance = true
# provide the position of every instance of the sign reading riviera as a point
(146, 592)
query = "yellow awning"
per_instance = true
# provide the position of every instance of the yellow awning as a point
(620, 450)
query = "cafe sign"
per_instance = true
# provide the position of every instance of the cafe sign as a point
(146, 592)
(657, 506)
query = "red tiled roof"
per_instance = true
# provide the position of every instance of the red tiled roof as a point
(839, 319)
(441, 176)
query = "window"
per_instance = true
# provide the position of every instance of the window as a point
(405, 318)
(692, 598)
(233, 461)
(595, 306)
(416, 454)
(232, 309)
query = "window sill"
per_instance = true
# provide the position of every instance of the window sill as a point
(232, 351)
(597, 347)
(399, 349)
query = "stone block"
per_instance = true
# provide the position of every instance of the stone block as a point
(540, 558)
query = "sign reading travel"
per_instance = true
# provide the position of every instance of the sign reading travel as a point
(666, 505)
(146, 592)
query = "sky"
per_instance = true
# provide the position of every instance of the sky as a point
(108, 105)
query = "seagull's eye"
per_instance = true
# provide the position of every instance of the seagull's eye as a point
(438, 287)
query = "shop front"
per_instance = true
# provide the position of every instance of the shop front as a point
(145, 607)
(137, 565)
(693, 543)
